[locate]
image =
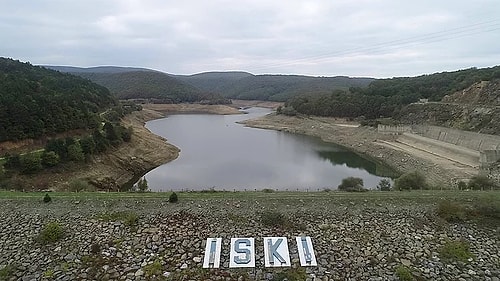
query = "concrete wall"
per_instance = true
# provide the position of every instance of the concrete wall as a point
(471, 140)
(393, 130)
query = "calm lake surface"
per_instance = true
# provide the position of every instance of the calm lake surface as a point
(218, 153)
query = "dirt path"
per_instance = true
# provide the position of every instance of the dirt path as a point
(403, 157)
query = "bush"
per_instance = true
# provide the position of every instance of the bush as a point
(78, 185)
(453, 251)
(173, 198)
(404, 273)
(6, 272)
(52, 232)
(46, 198)
(268, 190)
(384, 185)
(351, 184)
(451, 211)
(289, 111)
(273, 219)
(411, 180)
(481, 182)
(153, 270)
(131, 219)
(30, 163)
(50, 159)
(292, 274)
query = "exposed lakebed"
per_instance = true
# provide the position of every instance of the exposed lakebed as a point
(219, 153)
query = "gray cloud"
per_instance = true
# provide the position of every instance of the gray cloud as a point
(382, 38)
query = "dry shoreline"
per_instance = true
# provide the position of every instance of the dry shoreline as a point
(363, 140)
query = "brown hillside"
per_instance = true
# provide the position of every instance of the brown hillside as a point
(481, 93)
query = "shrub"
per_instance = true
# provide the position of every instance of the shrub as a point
(267, 190)
(131, 219)
(481, 182)
(30, 163)
(351, 184)
(292, 274)
(173, 198)
(154, 269)
(128, 218)
(455, 251)
(50, 159)
(411, 180)
(52, 232)
(289, 111)
(451, 211)
(404, 273)
(273, 219)
(462, 185)
(384, 185)
(6, 272)
(47, 198)
(78, 185)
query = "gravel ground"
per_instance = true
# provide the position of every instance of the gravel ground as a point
(355, 237)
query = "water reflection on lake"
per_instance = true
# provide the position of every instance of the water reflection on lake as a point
(218, 153)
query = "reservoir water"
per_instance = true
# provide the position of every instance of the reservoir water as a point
(216, 152)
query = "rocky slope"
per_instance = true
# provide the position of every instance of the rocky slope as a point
(355, 237)
(476, 109)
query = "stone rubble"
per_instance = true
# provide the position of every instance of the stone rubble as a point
(353, 240)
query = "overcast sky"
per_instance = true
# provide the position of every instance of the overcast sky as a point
(376, 38)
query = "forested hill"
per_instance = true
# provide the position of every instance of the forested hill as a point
(386, 97)
(35, 101)
(133, 82)
(243, 85)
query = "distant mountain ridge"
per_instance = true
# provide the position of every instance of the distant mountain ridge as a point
(96, 69)
(130, 82)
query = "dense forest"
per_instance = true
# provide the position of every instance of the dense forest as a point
(213, 87)
(143, 83)
(242, 85)
(386, 97)
(35, 101)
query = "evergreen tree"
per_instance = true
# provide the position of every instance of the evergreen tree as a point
(142, 185)
(50, 159)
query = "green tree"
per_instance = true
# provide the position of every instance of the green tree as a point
(30, 163)
(88, 145)
(2, 171)
(351, 184)
(101, 143)
(50, 159)
(411, 180)
(173, 198)
(59, 147)
(111, 133)
(142, 185)
(481, 182)
(384, 185)
(75, 152)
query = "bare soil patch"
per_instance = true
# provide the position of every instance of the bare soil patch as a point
(192, 108)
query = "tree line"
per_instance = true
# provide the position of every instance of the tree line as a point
(70, 149)
(386, 97)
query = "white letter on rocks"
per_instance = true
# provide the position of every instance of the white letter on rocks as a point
(306, 251)
(242, 252)
(276, 252)
(212, 253)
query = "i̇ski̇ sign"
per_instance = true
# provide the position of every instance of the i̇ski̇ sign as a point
(242, 252)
